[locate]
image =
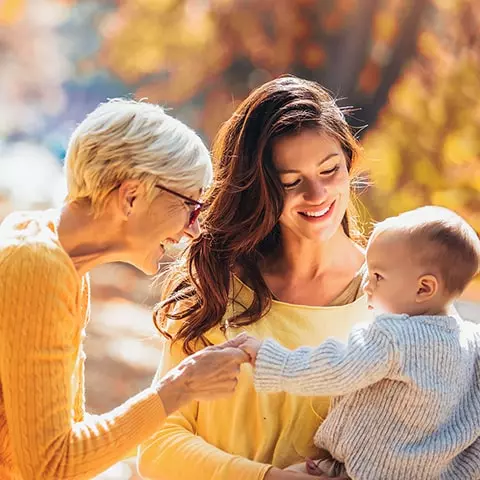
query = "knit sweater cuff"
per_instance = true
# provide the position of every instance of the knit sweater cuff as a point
(269, 366)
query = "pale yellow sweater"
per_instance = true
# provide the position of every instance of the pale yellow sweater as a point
(241, 436)
(44, 307)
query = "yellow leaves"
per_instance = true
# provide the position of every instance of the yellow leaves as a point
(404, 199)
(156, 6)
(426, 173)
(384, 165)
(11, 11)
(407, 95)
(460, 148)
(451, 198)
(150, 35)
(385, 27)
(427, 136)
(428, 45)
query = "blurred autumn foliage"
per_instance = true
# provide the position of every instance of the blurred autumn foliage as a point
(414, 62)
(210, 54)
(425, 147)
(411, 67)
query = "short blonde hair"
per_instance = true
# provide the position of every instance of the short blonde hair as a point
(441, 239)
(125, 139)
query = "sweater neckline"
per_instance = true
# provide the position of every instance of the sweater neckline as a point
(279, 303)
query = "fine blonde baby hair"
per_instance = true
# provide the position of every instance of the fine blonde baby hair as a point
(440, 239)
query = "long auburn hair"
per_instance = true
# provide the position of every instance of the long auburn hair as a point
(240, 224)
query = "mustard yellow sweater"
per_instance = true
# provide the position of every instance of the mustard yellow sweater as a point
(238, 438)
(44, 307)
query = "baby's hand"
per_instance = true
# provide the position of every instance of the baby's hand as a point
(251, 346)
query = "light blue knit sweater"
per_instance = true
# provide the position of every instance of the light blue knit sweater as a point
(406, 396)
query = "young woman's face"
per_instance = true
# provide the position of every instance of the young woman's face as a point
(313, 170)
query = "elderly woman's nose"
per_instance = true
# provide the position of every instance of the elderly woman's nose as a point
(193, 231)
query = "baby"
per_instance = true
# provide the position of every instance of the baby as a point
(407, 387)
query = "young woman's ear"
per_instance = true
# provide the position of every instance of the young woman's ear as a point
(427, 287)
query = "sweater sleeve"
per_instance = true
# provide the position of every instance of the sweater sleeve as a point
(39, 344)
(176, 452)
(332, 368)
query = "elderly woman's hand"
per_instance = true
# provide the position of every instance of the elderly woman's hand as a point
(208, 374)
(250, 345)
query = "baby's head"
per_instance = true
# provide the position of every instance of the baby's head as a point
(420, 261)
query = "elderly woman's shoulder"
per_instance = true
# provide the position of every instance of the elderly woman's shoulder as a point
(29, 243)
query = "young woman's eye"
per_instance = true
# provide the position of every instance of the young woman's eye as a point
(331, 170)
(288, 186)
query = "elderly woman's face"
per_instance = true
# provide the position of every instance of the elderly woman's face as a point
(150, 226)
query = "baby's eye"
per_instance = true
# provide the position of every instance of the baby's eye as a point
(377, 276)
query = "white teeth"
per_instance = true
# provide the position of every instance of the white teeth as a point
(317, 214)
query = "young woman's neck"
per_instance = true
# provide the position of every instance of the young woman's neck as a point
(89, 241)
(307, 259)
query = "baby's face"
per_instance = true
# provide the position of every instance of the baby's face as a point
(392, 275)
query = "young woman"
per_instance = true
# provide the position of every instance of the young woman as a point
(278, 258)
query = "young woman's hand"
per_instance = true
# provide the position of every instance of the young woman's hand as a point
(208, 374)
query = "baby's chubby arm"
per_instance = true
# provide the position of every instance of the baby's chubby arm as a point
(332, 368)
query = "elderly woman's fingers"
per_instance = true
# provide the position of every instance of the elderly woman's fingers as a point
(234, 342)
(235, 354)
(212, 372)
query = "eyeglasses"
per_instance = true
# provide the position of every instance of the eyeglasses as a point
(197, 206)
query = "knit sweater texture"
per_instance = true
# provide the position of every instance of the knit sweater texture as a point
(44, 308)
(406, 396)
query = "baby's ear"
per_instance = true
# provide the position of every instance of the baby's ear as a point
(427, 287)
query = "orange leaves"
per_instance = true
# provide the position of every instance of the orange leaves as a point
(369, 77)
(313, 56)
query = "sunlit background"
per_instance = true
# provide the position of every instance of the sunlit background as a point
(411, 67)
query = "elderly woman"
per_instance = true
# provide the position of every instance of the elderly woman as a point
(279, 258)
(134, 177)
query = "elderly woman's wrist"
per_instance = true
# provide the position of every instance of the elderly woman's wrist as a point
(173, 393)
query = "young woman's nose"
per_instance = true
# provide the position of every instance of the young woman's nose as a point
(315, 191)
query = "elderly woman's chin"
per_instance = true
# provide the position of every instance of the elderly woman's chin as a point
(149, 264)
